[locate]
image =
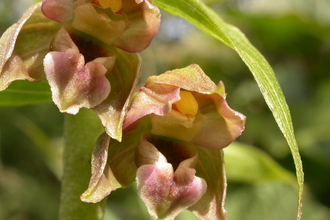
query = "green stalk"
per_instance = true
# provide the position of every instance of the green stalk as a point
(80, 133)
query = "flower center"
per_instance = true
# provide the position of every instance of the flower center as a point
(187, 105)
(174, 152)
(114, 5)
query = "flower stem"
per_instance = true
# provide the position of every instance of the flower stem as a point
(80, 133)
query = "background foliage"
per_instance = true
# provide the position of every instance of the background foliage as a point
(294, 38)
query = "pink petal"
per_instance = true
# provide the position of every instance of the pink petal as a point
(97, 24)
(222, 125)
(156, 100)
(75, 85)
(166, 193)
(57, 10)
(190, 78)
(144, 23)
(177, 126)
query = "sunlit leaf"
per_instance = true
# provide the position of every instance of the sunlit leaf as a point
(23, 93)
(197, 13)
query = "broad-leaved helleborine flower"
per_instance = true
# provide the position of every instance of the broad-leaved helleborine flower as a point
(127, 24)
(80, 46)
(174, 131)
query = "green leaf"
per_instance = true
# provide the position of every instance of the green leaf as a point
(23, 93)
(200, 15)
(245, 163)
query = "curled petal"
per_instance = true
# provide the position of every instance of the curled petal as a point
(144, 23)
(102, 181)
(75, 85)
(166, 180)
(8, 39)
(113, 166)
(190, 78)
(62, 41)
(177, 126)
(13, 70)
(160, 92)
(222, 125)
(57, 10)
(98, 24)
(166, 193)
(157, 100)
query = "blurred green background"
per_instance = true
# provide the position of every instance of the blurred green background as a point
(293, 35)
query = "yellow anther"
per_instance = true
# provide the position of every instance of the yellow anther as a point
(187, 104)
(114, 5)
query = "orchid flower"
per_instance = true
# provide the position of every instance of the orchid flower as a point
(174, 131)
(80, 47)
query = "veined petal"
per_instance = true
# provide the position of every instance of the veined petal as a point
(144, 23)
(98, 24)
(156, 100)
(58, 10)
(222, 125)
(164, 191)
(190, 78)
(75, 85)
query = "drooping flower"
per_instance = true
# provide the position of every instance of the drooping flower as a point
(173, 135)
(80, 46)
(186, 105)
(126, 24)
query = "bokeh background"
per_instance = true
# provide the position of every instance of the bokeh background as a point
(293, 35)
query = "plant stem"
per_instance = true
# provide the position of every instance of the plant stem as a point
(80, 133)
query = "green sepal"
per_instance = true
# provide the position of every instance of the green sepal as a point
(123, 79)
(25, 45)
(211, 168)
